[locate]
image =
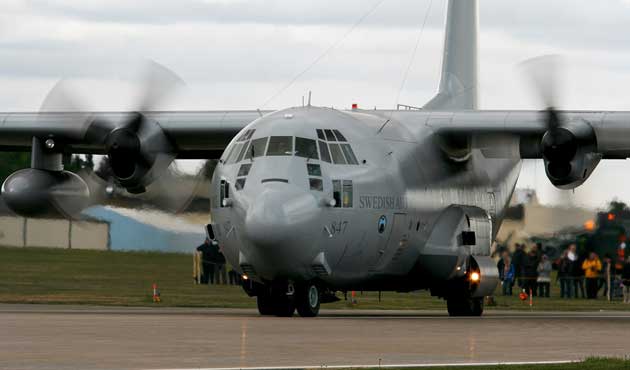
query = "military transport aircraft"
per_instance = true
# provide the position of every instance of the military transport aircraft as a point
(307, 201)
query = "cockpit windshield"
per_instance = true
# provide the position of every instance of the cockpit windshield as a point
(306, 148)
(331, 147)
(280, 145)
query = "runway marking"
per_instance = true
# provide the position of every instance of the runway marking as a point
(385, 366)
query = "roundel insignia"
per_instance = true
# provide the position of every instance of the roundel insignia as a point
(382, 224)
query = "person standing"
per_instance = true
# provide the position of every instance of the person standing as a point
(625, 280)
(207, 267)
(544, 276)
(218, 262)
(530, 272)
(565, 268)
(592, 266)
(576, 271)
(506, 273)
(518, 260)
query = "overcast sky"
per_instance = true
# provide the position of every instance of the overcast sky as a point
(236, 54)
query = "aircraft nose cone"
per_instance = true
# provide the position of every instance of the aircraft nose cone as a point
(278, 216)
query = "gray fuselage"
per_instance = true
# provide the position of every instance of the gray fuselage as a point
(384, 232)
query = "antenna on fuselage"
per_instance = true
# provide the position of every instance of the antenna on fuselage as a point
(309, 98)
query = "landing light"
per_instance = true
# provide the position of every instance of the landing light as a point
(245, 277)
(474, 277)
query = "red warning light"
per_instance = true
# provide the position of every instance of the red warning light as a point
(611, 217)
(355, 106)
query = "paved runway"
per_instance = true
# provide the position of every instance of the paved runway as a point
(62, 337)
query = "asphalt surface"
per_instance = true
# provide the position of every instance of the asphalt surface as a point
(76, 337)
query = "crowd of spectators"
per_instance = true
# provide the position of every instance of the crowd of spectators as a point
(578, 276)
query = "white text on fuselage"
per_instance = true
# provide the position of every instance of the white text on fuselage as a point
(382, 202)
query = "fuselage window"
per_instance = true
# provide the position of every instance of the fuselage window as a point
(314, 169)
(347, 194)
(323, 150)
(339, 136)
(256, 148)
(329, 135)
(243, 151)
(316, 184)
(320, 134)
(240, 183)
(347, 150)
(306, 148)
(280, 145)
(224, 192)
(234, 153)
(337, 193)
(336, 153)
(244, 169)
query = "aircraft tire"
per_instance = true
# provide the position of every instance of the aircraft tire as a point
(284, 305)
(464, 306)
(477, 307)
(265, 304)
(308, 300)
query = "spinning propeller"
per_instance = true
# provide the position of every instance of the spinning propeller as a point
(140, 155)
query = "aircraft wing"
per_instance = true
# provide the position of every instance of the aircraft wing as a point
(192, 134)
(571, 143)
(605, 133)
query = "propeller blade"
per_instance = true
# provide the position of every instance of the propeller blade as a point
(543, 74)
(174, 191)
(158, 84)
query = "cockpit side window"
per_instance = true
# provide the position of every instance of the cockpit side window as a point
(336, 153)
(339, 136)
(320, 134)
(334, 147)
(256, 148)
(244, 169)
(280, 145)
(234, 153)
(315, 173)
(306, 148)
(227, 152)
(323, 149)
(243, 151)
(347, 151)
(329, 135)
(314, 169)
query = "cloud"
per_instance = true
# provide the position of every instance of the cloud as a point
(236, 54)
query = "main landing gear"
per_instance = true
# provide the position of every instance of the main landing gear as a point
(283, 299)
(464, 306)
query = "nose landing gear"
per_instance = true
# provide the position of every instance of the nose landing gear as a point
(281, 299)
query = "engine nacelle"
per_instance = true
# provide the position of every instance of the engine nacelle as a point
(40, 193)
(570, 154)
